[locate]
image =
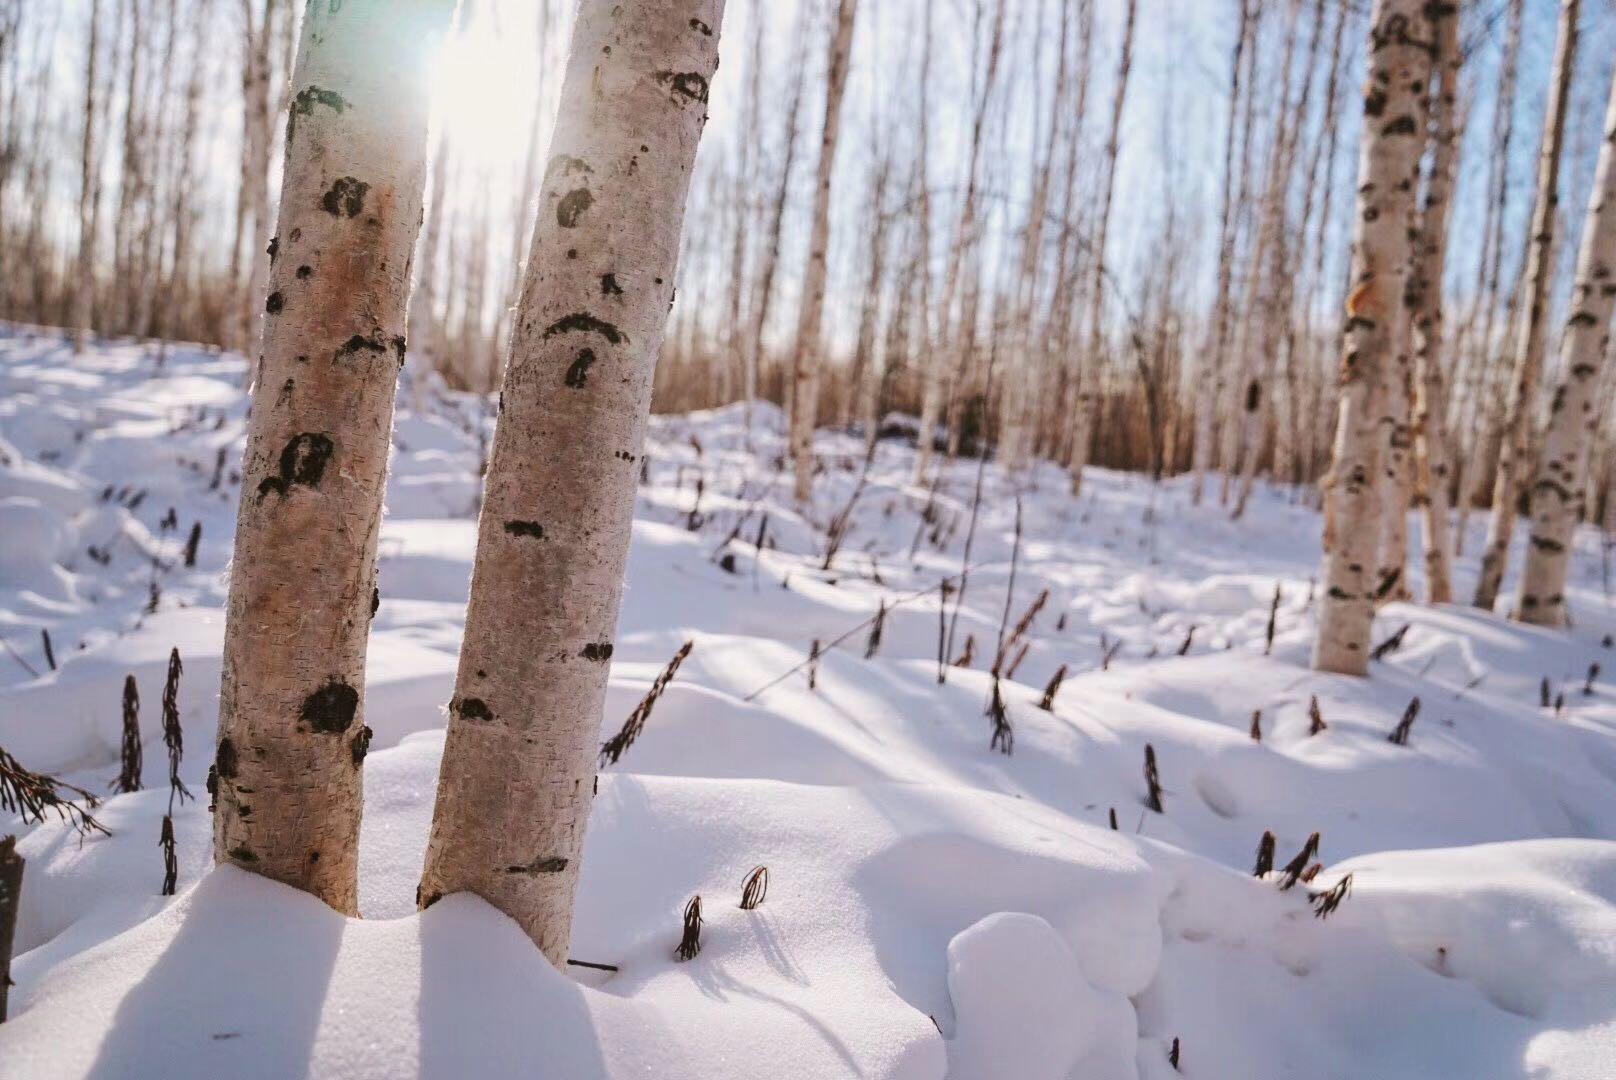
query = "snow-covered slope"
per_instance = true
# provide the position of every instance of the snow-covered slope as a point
(935, 907)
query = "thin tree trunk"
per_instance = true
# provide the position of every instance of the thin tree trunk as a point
(771, 248)
(1092, 367)
(1561, 486)
(1517, 431)
(519, 765)
(1213, 376)
(292, 735)
(89, 193)
(805, 369)
(1399, 65)
(1426, 308)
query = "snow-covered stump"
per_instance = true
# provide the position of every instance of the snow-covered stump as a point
(1562, 474)
(292, 735)
(519, 764)
(1393, 107)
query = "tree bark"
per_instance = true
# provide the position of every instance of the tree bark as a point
(1426, 308)
(1089, 371)
(89, 194)
(519, 765)
(1393, 109)
(1514, 450)
(805, 369)
(11, 867)
(1561, 485)
(292, 735)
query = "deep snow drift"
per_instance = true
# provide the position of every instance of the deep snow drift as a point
(935, 907)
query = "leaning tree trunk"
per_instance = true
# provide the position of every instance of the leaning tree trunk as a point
(1399, 64)
(1425, 309)
(519, 766)
(1516, 441)
(1562, 474)
(805, 372)
(291, 730)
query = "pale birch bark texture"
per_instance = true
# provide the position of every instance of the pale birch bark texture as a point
(89, 195)
(1089, 372)
(292, 734)
(1515, 446)
(1426, 308)
(805, 370)
(1399, 63)
(518, 769)
(1561, 484)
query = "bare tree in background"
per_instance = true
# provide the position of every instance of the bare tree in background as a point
(1514, 453)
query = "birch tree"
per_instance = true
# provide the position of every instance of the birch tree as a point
(1515, 448)
(89, 192)
(518, 767)
(1561, 484)
(805, 369)
(1393, 119)
(1426, 307)
(1088, 374)
(292, 734)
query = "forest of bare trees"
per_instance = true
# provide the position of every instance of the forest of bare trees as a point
(950, 241)
(1364, 251)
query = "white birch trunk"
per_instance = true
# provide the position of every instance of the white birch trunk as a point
(1089, 372)
(1561, 485)
(89, 195)
(1515, 448)
(1432, 471)
(519, 765)
(805, 370)
(292, 732)
(1399, 63)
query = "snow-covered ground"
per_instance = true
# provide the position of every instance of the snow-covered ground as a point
(935, 907)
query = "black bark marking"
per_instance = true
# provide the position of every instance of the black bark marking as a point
(305, 272)
(273, 248)
(687, 84)
(470, 709)
(305, 101)
(701, 27)
(609, 286)
(361, 744)
(1403, 125)
(401, 347)
(572, 207)
(598, 652)
(303, 461)
(578, 371)
(331, 708)
(554, 864)
(357, 343)
(346, 197)
(525, 528)
(242, 853)
(224, 761)
(275, 304)
(375, 600)
(583, 322)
